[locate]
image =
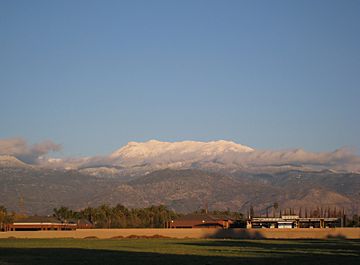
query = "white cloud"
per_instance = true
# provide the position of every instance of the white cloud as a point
(341, 159)
(19, 148)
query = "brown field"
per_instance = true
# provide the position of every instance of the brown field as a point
(305, 233)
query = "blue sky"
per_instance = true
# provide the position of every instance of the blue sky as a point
(93, 75)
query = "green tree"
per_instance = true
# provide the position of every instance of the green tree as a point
(64, 213)
(5, 217)
(3, 214)
(120, 214)
(89, 213)
(105, 215)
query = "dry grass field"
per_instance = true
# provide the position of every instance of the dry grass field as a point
(238, 233)
(178, 251)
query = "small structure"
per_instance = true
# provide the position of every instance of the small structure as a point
(39, 223)
(293, 221)
(81, 223)
(201, 221)
(285, 224)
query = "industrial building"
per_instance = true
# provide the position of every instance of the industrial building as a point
(294, 221)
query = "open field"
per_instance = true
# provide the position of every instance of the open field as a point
(178, 251)
(299, 233)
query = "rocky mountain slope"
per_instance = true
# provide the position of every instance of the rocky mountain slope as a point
(7, 161)
(185, 176)
(37, 190)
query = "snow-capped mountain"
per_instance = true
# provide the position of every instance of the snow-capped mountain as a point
(141, 157)
(154, 148)
(175, 153)
(183, 175)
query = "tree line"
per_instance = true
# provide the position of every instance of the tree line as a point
(318, 212)
(106, 216)
(5, 217)
(119, 216)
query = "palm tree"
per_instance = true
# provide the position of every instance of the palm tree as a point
(276, 206)
(3, 214)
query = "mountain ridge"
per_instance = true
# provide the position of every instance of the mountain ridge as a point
(184, 176)
(12, 161)
(182, 190)
(155, 147)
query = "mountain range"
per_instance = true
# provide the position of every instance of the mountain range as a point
(185, 176)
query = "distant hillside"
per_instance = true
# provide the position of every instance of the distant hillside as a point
(11, 161)
(37, 190)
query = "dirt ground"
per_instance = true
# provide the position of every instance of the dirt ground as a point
(305, 233)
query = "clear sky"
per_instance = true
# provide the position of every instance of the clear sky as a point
(93, 75)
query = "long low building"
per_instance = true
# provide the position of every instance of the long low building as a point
(39, 223)
(294, 221)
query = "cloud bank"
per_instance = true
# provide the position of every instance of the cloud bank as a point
(31, 154)
(340, 159)
(154, 153)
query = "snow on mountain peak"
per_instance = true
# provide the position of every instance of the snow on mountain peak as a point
(157, 151)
